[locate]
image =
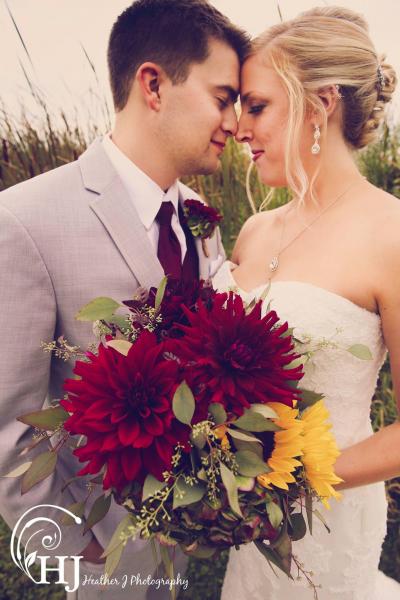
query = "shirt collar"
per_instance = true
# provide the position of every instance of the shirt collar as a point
(145, 193)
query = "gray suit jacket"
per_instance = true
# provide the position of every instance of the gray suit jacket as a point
(66, 237)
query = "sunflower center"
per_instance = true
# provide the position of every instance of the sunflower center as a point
(239, 355)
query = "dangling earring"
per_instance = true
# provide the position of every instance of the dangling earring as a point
(316, 148)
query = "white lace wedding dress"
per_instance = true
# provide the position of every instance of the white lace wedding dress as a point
(345, 562)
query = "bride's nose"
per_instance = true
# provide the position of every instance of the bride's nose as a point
(244, 132)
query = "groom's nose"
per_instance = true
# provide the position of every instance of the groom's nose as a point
(230, 122)
(243, 133)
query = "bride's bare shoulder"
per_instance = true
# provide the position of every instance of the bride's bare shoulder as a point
(382, 216)
(257, 222)
(384, 212)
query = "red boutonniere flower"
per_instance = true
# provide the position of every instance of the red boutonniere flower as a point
(201, 219)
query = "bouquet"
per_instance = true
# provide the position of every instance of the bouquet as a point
(189, 412)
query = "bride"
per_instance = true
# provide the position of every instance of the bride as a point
(313, 91)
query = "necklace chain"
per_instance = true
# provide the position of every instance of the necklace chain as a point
(274, 264)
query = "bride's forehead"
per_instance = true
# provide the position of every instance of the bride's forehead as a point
(258, 74)
(257, 67)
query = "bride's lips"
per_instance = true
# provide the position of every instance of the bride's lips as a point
(256, 154)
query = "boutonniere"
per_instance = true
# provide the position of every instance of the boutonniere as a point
(202, 221)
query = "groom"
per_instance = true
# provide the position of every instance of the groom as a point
(107, 224)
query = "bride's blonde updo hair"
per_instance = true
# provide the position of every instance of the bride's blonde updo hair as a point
(323, 47)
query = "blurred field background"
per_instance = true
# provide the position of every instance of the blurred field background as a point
(30, 146)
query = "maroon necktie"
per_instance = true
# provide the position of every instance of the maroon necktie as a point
(169, 248)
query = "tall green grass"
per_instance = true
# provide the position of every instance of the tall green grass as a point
(28, 148)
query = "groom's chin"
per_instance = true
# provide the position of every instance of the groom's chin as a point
(208, 169)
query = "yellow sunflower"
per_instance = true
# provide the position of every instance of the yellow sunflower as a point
(288, 444)
(320, 452)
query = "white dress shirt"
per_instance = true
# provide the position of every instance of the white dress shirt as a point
(145, 194)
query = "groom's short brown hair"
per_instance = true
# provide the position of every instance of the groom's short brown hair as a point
(171, 33)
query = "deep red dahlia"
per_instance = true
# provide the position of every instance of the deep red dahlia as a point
(123, 405)
(236, 359)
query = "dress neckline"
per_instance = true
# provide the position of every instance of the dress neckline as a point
(304, 284)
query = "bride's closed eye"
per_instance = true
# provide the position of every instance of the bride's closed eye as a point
(256, 109)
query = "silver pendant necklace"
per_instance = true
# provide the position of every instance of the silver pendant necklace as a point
(274, 264)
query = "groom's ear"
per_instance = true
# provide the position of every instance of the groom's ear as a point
(149, 78)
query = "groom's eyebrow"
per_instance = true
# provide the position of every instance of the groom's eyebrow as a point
(232, 93)
(244, 99)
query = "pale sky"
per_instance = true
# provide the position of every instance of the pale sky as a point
(54, 30)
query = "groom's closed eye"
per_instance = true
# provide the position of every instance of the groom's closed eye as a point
(223, 102)
(227, 94)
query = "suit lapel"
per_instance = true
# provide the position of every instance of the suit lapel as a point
(117, 213)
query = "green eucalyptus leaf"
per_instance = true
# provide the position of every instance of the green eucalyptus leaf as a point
(244, 484)
(241, 445)
(199, 440)
(202, 475)
(360, 351)
(183, 404)
(70, 480)
(250, 464)
(249, 307)
(98, 511)
(20, 470)
(42, 466)
(265, 293)
(321, 518)
(299, 527)
(113, 560)
(120, 321)
(121, 346)
(77, 508)
(185, 494)
(101, 308)
(272, 556)
(241, 435)
(264, 410)
(218, 413)
(309, 398)
(150, 486)
(160, 293)
(275, 514)
(168, 567)
(297, 362)
(229, 481)
(309, 512)
(283, 548)
(116, 541)
(47, 419)
(288, 332)
(253, 421)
